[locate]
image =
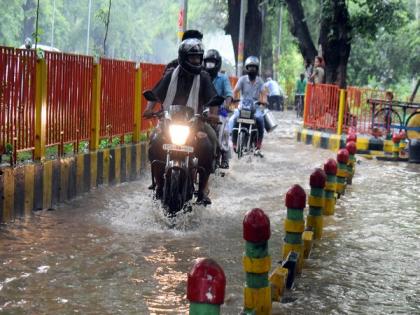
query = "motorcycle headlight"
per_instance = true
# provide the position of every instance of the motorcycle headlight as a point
(179, 134)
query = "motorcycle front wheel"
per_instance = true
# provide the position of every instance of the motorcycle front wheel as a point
(173, 198)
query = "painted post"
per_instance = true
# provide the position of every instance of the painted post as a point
(294, 225)
(351, 147)
(40, 109)
(137, 106)
(396, 138)
(341, 108)
(314, 219)
(342, 173)
(96, 107)
(330, 168)
(257, 263)
(206, 287)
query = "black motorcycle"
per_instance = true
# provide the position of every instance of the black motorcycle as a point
(177, 125)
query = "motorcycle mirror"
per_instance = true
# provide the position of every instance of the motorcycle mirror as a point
(148, 94)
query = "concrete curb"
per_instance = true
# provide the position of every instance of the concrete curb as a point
(365, 145)
(39, 186)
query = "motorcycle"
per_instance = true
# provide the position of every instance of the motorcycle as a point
(247, 130)
(222, 132)
(180, 166)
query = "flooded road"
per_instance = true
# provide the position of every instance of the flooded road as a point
(111, 252)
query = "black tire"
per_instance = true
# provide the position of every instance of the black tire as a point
(174, 197)
(384, 122)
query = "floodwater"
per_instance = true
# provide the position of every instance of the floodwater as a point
(111, 252)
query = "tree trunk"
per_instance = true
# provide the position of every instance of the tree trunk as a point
(300, 30)
(335, 40)
(267, 44)
(253, 30)
(253, 27)
(29, 10)
(232, 26)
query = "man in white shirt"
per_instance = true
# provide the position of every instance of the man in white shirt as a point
(275, 94)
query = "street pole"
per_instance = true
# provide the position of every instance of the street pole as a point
(88, 28)
(244, 6)
(36, 25)
(52, 25)
(182, 18)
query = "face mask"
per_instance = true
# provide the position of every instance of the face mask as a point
(252, 75)
(210, 65)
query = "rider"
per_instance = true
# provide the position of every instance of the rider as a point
(252, 89)
(212, 64)
(187, 35)
(187, 85)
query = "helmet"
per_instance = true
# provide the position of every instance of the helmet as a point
(252, 61)
(212, 55)
(190, 47)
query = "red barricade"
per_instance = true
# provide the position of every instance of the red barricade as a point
(360, 114)
(151, 74)
(17, 98)
(69, 97)
(321, 104)
(117, 97)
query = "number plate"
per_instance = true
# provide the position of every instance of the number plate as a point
(175, 147)
(246, 121)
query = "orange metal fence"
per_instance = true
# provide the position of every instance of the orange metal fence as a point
(17, 98)
(69, 97)
(321, 107)
(117, 97)
(359, 114)
(151, 74)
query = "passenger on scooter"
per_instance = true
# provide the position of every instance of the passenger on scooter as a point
(251, 87)
(213, 64)
(187, 85)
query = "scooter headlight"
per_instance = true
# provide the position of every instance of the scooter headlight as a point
(179, 134)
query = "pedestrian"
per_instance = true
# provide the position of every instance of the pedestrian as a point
(318, 73)
(300, 94)
(275, 94)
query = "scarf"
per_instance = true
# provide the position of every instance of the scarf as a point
(172, 89)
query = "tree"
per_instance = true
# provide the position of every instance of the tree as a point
(253, 27)
(340, 21)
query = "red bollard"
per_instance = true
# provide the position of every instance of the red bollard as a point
(257, 263)
(330, 168)
(314, 220)
(351, 137)
(206, 287)
(342, 173)
(351, 147)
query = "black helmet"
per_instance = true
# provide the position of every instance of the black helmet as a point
(252, 61)
(190, 47)
(212, 55)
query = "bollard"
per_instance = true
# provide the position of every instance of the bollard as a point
(330, 168)
(314, 219)
(257, 263)
(342, 159)
(351, 164)
(396, 138)
(206, 287)
(351, 137)
(294, 225)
